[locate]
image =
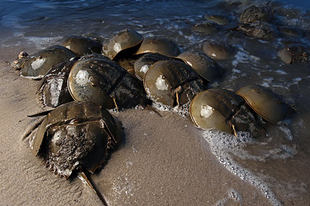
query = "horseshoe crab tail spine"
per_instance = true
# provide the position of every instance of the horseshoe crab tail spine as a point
(30, 129)
(150, 108)
(85, 180)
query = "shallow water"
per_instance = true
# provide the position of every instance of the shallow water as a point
(278, 163)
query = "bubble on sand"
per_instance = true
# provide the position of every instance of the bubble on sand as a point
(234, 195)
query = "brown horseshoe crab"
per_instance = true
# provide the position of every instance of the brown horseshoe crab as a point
(218, 50)
(265, 103)
(219, 19)
(103, 81)
(259, 29)
(82, 45)
(76, 137)
(254, 13)
(290, 31)
(121, 41)
(81, 132)
(223, 110)
(206, 27)
(162, 46)
(171, 83)
(206, 67)
(53, 90)
(37, 65)
(143, 64)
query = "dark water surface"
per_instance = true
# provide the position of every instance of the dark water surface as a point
(278, 163)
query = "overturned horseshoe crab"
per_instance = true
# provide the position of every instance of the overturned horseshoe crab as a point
(223, 110)
(37, 65)
(81, 45)
(172, 83)
(295, 52)
(76, 137)
(265, 103)
(103, 81)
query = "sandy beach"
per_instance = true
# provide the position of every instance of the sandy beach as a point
(161, 160)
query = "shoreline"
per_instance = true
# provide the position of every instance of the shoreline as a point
(163, 160)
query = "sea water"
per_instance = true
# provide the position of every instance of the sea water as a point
(277, 163)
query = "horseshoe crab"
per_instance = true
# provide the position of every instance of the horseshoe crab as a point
(103, 81)
(124, 40)
(206, 67)
(81, 45)
(76, 137)
(127, 63)
(254, 13)
(222, 110)
(37, 65)
(290, 31)
(206, 27)
(53, 90)
(295, 52)
(143, 64)
(265, 103)
(260, 30)
(219, 19)
(218, 50)
(162, 46)
(171, 83)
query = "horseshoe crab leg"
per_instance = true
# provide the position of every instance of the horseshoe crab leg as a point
(234, 130)
(115, 104)
(85, 180)
(176, 91)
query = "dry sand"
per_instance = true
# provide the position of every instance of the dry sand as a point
(161, 161)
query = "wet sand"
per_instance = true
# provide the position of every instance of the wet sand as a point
(161, 160)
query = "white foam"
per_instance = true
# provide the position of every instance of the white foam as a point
(222, 145)
(161, 107)
(42, 42)
(123, 187)
(279, 71)
(234, 195)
